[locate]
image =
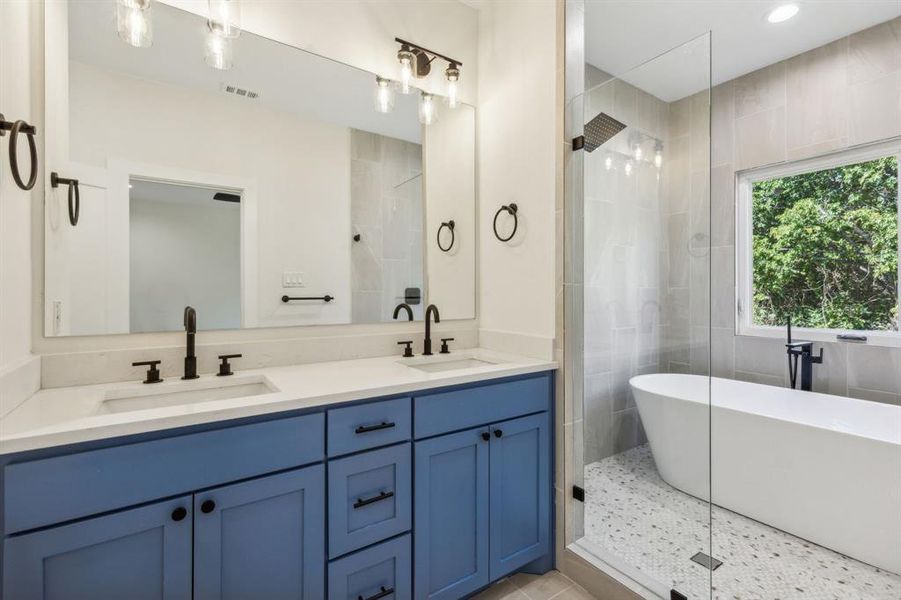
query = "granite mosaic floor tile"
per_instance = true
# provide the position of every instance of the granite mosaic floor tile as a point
(631, 512)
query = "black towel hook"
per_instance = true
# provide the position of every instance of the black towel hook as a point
(450, 225)
(74, 195)
(512, 209)
(30, 131)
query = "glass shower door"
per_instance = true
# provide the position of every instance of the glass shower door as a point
(638, 350)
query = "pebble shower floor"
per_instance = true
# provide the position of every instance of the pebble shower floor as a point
(631, 512)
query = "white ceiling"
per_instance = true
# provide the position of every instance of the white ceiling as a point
(622, 34)
(159, 191)
(287, 78)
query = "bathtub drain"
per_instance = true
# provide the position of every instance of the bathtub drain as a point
(707, 561)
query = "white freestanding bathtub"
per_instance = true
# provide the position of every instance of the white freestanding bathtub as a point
(824, 468)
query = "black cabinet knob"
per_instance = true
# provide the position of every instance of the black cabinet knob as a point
(498, 433)
(179, 513)
(486, 436)
(207, 506)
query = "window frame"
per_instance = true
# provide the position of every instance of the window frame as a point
(744, 269)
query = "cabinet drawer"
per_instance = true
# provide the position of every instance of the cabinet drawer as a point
(367, 426)
(370, 498)
(460, 409)
(382, 571)
(52, 490)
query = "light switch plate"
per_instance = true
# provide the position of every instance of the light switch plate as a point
(292, 279)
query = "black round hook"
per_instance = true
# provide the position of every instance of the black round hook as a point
(512, 209)
(74, 195)
(450, 225)
(28, 130)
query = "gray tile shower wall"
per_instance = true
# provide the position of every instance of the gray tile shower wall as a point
(839, 95)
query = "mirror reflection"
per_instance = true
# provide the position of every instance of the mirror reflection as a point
(286, 190)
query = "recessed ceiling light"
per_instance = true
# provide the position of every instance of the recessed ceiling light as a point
(782, 13)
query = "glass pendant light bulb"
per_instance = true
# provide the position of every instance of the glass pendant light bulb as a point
(658, 155)
(453, 76)
(225, 17)
(134, 23)
(384, 95)
(218, 50)
(608, 163)
(428, 108)
(628, 168)
(405, 57)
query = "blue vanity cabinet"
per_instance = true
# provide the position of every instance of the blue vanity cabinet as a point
(451, 515)
(263, 538)
(141, 554)
(520, 511)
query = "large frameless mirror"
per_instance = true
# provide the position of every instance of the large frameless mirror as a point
(285, 190)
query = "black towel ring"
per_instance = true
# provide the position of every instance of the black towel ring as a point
(14, 130)
(74, 195)
(512, 209)
(450, 225)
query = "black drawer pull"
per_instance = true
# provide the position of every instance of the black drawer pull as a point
(369, 428)
(361, 502)
(383, 591)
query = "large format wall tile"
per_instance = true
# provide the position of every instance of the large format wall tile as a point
(760, 90)
(874, 52)
(760, 139)
(817, 95)
(876, 109)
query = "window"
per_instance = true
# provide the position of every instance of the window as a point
(818, 242)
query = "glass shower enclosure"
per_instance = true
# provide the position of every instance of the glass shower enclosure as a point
(640, 303)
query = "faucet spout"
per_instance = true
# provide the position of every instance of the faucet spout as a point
(431, 311)
(190, 320)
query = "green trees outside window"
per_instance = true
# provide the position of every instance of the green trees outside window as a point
(826, 248)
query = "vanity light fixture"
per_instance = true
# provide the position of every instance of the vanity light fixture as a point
(406, 58)
(416, 61)
(217, 51)
(134, 22)
(428, 108)
(384, 95)
(453, 76)
(782, 13)
(225, 17)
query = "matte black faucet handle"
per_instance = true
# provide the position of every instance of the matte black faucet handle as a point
(444, 348)
(153, 374)
(225, 369)
(408, 351)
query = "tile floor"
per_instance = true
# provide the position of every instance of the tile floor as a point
(553, 585)
(632, 512)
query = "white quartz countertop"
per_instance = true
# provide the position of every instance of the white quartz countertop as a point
(60, 416)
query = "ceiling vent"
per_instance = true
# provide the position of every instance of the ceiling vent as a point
(239, 91)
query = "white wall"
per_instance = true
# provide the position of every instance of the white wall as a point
(298, 169)
(450, 173)
(519, 116)
(184, 253)
(18, 59)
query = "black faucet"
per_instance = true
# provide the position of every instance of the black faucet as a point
(427, 343)
(802, 351)
(190, 330)
(406, 307)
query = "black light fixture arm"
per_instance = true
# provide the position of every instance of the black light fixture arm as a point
(433, 54)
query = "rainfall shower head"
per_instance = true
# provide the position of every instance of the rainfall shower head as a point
(600, 129)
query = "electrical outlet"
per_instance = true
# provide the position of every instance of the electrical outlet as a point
(292, 279)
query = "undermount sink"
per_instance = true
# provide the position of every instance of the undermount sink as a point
(183, 392)
(440, 366)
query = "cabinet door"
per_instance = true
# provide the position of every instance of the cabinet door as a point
(451, 515)
(140, 554)
(263, 538)
(520, 493)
